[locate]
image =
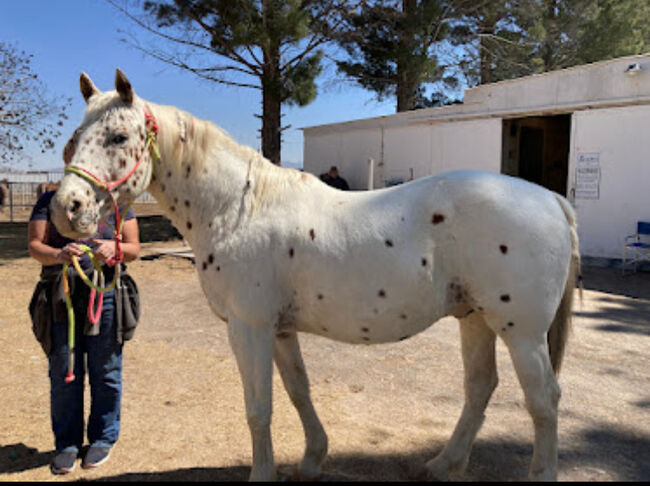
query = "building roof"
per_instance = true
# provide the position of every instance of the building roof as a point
(616, 82)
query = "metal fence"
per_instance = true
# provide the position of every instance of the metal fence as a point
(19, 198)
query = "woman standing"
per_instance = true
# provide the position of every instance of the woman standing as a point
(99, 344)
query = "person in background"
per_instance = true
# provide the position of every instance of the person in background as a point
(100, 346)
(332, 178)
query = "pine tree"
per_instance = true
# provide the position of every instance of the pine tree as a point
(390, 46)
(270, 45)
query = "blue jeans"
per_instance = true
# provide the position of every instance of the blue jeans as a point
(104, 363)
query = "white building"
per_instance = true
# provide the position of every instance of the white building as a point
(583, 132)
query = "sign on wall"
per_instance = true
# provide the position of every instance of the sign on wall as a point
(587, 183)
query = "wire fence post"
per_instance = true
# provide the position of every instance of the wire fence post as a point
(11, 203)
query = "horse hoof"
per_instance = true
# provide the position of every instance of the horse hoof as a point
(437, 469)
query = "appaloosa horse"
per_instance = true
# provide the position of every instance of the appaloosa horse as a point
(278, 252)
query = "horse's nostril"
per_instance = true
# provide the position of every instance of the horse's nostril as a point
(74, 207)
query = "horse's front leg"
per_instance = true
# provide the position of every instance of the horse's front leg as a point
(292, 369)
(253, 349)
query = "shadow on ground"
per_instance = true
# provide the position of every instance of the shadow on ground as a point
(620, 315)
(19, 457)
(615, 452)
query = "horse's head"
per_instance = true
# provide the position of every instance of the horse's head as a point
(107, 159)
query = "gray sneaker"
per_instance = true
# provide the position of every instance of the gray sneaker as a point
(95, 457)
(63, 462)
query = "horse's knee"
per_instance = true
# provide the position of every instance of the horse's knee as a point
(258, 418)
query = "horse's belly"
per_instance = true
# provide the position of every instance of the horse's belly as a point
(370, 323)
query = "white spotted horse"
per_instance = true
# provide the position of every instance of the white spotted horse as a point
(276, 248)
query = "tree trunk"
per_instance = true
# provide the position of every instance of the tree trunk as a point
(271, 119)
(271, 89)
(406, 89)
(407, 80)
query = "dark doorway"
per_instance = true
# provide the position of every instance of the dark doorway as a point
(537, 150)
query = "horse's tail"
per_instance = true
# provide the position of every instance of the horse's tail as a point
(559, 332)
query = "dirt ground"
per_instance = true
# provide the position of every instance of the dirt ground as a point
(387, 408)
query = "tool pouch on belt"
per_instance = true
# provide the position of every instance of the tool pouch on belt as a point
(40, 310)
(47, 305)
(127, 305)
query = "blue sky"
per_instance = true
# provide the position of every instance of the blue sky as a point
(67, 37)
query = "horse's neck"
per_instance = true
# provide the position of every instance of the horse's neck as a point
(202, 179)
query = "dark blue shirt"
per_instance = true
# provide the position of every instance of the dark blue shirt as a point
(41, 212)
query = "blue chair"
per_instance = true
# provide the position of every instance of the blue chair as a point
(637, 246)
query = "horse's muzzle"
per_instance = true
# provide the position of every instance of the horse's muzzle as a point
(75, 216)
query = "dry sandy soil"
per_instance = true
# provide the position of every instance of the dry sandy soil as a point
(387, 408)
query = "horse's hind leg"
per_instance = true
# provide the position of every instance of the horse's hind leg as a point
(478, 348)
(253, 349)
(533, 366)
(292, 369)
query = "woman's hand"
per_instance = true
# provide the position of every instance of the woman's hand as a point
(67, 252)
(105, 250)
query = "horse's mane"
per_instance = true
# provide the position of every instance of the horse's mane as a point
(184, 138)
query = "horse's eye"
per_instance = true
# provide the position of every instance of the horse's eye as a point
(119, 138)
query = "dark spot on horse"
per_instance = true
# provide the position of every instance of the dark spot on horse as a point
(403, 316)
(172, 208)
(480, 308)
(389, 243)
(365, 329)
(510, 324)
(437, 218)
(504, 249)
(312, 234)
(134, 182)
(503, 329)
(122, 163)
(189, 225)
(403, 338)
(210, 224)
(187, 171)
(366, 338)
(257, 284)
(210, 258)
(88, 193)
(218, 268)
(375, 311)
(290, 252)
(424, 262)
(153, 177)
(169, 173)
(162, 187)
(320, 296)
(175, 200)
(283, 335)
(505, 298)
(187, 203)
(471, 311)
(382, 293)
(324, 329)
(205, 265)
(402, 218)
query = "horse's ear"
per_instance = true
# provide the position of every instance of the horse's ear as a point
(88, 89)
(123, 87)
